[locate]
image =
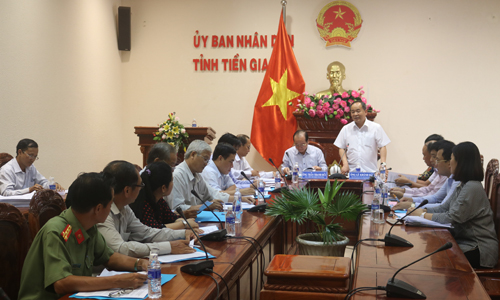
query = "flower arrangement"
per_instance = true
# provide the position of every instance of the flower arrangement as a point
(335, 106)
(172, 132)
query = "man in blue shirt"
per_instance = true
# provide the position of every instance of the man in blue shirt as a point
(443, 158)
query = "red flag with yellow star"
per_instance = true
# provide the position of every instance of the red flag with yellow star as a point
(273, 122)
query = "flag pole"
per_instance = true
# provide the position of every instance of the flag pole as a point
(283, 5)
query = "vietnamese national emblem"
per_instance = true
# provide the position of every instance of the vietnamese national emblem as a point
(339, 23)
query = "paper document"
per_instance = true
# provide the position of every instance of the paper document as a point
(170, 258)
(208, 229)
(394, 175)
(422, 222)
(139, 293)
(18, 200)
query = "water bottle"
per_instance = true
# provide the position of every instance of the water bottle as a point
(385, 193)
(382, 172)
(237, 206)
(262, 187)
(377, 213)
(52, 184)
(193, 123)
(295, 173)
(277, 180)
(230, 222)
(154, 274)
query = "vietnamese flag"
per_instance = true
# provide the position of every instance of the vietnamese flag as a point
(273, 123)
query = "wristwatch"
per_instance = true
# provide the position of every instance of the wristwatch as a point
(413, 205)
(185, 223)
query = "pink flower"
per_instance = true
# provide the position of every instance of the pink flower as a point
(320, 114)
(369, 105)
(183, 130)
(319, 107)
(298, 100)
(297, 110)
(306, 93)
(360, 88)
(320, 102)
(335, 94)
(347, 109)
(307, 100)
(362, 92)
(343, 121)
(326, 104)
(364, 100)
(330, 111)
(312, 113)
(345, 95)
(337, 116)
(377, 110)
(355, 94)
(335, 106)
(343, 103)
(341, 112)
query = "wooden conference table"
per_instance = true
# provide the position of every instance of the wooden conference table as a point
(445, 275)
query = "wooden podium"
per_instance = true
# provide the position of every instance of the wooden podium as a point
(146, 136)
(324, 133)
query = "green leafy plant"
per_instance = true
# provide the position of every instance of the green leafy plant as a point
(323, 209)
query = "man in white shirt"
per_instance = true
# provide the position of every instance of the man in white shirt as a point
(362, 139)
(216, 172)
(19, 176)
(240, 163)
(187, 178)
(308, 157)
(124, 233)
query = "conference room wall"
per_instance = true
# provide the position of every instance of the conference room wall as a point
(60, 83)
(430, 66)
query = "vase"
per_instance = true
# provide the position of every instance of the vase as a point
(312, 244)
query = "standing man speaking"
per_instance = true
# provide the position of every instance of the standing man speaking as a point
(362, 139)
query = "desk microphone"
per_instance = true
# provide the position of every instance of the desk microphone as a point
(218, 235)
(396, 241)
(291, 162)
(200, 267)
(259, 207)
(278, 190)
(400, 289)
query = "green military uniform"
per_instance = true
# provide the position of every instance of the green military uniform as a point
(59, 251)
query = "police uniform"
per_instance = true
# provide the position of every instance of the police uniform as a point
(60, 249)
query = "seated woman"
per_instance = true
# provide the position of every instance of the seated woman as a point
(149, 207)
(468, 209)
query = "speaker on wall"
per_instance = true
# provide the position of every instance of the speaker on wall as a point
(124, 28)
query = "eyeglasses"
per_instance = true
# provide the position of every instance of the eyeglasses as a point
(206, 159)
(441, 160)
(139, 185)
(32, 156)
(300, 145)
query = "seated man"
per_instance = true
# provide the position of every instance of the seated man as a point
(216, 172)
(436, 179)
(124, 233)
(19, 176)
(423, 179)
(187, 178)
(443, 158)
(162, 152)
(240, 163)
(308, 157)
(66, 248)
(244, 185)
(361, 139)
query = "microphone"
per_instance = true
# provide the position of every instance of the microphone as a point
(278, 190)
(259, 207)
(218, 235)
(291, 162)
(400, 289)
(200, 267)
(396, 241)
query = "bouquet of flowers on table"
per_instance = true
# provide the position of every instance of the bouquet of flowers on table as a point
(335, 106)
(172, 131)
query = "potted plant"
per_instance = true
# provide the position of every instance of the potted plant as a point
(323, 209)
(173, 132)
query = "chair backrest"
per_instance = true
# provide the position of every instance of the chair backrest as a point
(15, 242)
(495, 205)
(491, 173)
(44, 205)
(5, 158)
(317, 145)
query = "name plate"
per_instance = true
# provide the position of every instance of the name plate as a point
(360, 175)
(315, 175)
